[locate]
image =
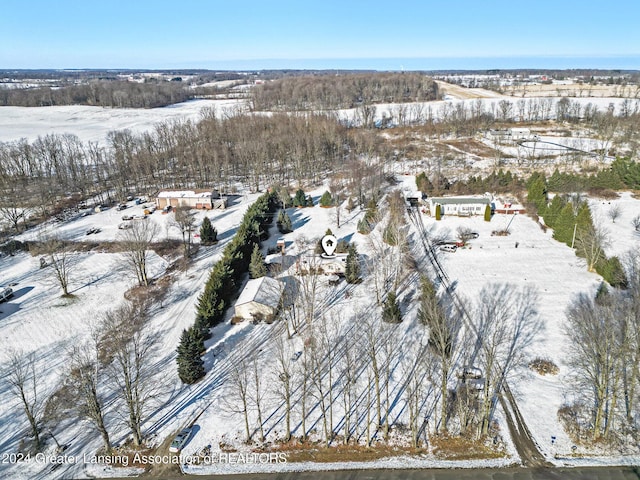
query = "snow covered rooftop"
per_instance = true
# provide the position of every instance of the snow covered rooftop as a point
(183, 194)
(263, 290)
(459, 200)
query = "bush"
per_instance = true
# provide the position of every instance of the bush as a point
(544, 366)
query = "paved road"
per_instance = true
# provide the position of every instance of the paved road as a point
(599, 473)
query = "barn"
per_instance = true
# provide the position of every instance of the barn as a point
(202, 199)
(259, 299)
(460, 206)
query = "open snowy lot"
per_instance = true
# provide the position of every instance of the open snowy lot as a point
(94, 123)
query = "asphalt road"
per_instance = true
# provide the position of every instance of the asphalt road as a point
(595, 473)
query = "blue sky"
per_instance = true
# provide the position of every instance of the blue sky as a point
(318, 34)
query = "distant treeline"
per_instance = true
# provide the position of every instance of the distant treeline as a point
(103, 93)
(342, 91)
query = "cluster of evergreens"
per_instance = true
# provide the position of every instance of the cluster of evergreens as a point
(570, 218)
(223, 283)
(368, 222)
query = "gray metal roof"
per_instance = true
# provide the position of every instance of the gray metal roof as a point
(460, 200)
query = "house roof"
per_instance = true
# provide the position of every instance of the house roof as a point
(459, 200)
(263, 290)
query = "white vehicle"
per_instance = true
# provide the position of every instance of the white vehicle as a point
(448, 248)
(180, 441)
(5, 293)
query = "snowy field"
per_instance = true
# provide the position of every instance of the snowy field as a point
(94, 123)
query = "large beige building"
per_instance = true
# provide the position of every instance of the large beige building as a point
(202, 199)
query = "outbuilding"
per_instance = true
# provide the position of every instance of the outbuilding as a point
(202, 199)
(259, 299)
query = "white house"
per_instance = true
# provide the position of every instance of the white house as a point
(329, 265)
(259, 299)
(460, 206)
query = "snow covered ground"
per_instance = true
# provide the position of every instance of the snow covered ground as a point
(38, 320)
(93, 123)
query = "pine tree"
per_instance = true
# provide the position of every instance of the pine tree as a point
(190, 363)
(352, 267)
(326, 200)
(300, 200)
(208, 234)
(284, 222)
(391, 309)
(257, 268)
(565, 224)
(537, 193)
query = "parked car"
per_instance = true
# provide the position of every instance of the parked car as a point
(296, 356)
(448, 248)
(180, 440)
(139, 216)
(127, 217)
(93, 230)
(167, 209)
(5, 293)
(124, 226)
(122, 206)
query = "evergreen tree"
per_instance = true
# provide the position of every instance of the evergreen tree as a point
(208, 234)
(190, 363)
(284, 222)
(391, 309)
(537, 193)
(300, 200)
(257, 268)
(563, 231)
(352, 267)
(326, 200)
(553, 211)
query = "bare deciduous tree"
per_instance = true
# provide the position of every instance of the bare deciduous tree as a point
(590, 243)
(61, 258)
(136, 242)
(23, 382)
(85, 377)
(614, 212)
(128, 350)
(506, 324)
(184, 219)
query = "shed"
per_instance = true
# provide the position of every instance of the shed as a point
(259, 299)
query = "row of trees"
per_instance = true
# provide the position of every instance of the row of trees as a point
(223, 283)
(571, 220)
(43, 176)
(352, 383)
(103, 93)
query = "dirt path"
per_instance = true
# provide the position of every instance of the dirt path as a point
(520, 434)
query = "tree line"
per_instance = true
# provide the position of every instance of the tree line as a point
(102, 93)
(326, 92)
